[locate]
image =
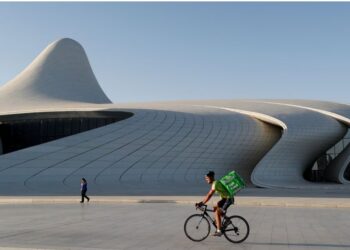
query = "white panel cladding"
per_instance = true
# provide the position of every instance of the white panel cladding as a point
(308, 134)
(335, 171)
(298, 148)
(165, 148)
(154, 152)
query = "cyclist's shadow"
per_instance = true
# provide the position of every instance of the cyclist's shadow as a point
(315, 245)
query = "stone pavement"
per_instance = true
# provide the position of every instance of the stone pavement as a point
(160, 226)
(240, 201)
(274, 201)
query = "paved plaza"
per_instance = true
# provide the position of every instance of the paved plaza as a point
(160, 226)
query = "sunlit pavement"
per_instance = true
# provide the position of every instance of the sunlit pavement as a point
(160, 226)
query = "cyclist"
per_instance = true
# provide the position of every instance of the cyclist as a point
(222, 205)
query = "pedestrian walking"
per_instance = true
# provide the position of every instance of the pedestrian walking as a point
(83, 190)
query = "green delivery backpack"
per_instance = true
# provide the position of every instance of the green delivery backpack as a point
(233, 183)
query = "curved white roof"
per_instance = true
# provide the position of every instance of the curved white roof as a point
(170, 144)
(61, 73)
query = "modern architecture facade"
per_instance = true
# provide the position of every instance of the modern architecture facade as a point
(57, 126)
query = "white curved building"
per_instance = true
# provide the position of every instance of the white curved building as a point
(57, 126)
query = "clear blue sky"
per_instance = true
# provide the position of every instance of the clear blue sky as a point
(176, 51)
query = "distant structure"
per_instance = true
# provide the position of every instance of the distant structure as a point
(57, 126)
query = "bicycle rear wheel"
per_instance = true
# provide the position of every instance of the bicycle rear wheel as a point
(197, 227)
(236, 229)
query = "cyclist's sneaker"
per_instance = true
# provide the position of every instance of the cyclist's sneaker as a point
(217, 233)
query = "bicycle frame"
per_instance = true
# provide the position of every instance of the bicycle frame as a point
(205, 214)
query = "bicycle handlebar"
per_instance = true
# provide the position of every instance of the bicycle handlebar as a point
(201, 207)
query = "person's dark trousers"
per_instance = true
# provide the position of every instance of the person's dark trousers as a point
(83, 195)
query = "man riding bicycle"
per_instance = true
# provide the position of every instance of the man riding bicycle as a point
(222, 205)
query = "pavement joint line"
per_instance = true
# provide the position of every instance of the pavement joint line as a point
(240, 201)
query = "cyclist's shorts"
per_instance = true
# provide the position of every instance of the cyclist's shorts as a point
(225, 203)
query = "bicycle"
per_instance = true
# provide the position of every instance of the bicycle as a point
(197, 226)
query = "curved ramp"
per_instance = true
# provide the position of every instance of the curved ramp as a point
(336, 170)
(340, 112)
(307, 135)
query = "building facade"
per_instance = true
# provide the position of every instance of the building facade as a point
(57, 126)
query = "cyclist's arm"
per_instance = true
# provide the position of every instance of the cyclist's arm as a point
(209, 195)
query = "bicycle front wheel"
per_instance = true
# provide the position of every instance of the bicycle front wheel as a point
(197, 227)
(236, 229)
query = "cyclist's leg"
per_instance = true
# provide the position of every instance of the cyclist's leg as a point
(218, 213)
(226, 205)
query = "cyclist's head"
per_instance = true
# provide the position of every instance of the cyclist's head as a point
(210, 177)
